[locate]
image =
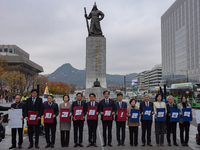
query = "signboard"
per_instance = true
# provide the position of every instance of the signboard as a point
(92, 113)
(147, 113)
(48, 115)
(161, 114)
(32, 118)
(187, 114)
(121, 114)
(78, 112)
(134, 115)
(64, 115)
(107, 113)
(175, 115)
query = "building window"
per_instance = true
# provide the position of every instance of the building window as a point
(10, 51)
(0, 49)
(5, 49)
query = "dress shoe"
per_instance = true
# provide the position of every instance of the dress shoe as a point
(19, 146)
(131, 144)
(169, 144)
(123, 144)
(136, 144)
(36, 146)
(67, 145)
(186, 144)
(80, 145)
(90, 144)
(62, 145)
(162, 145)
(118, 144)
(95, 145)
(30, 146)
(143, 144)
(48, 145)
(149, 144)
(183, 144)
(175, 144)
(110, 145)
(12, 147)
(158, 145)
(104, 145)
(52, 146)
(75, 145)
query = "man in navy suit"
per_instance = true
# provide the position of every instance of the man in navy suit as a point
(146, 124)
(51, 126)
(120, 124)
(78, 124)
(107, 102)
(33, 103)
(92, 124)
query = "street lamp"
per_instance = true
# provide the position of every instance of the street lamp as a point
(187, 73)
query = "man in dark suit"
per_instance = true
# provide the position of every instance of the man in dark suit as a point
(92, 124)
(107, 102)
(78, 124)
(146, 124)
(171, 126)
(120, 124)
(33, 103)
(51, 126)
(17, 105)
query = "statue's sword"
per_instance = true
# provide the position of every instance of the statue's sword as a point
(86, 21)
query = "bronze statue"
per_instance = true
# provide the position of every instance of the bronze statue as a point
(96, 16)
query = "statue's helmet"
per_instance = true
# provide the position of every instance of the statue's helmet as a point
(94, 7)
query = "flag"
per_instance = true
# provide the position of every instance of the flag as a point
(161, 92)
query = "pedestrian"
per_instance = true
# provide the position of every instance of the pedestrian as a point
(184, 125)
(65, 126)
(50, 126)
(171, 126)
(33, 103)
(17, 105)
(92, 124)
(6, 98)
(159, 125)
(120, 124)
(133, 126)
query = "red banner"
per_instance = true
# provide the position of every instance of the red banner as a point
(78, 112)
(32, 118)
(107, 113)
(121, 114)
(92, 113)
(48, 115)
(64, 115)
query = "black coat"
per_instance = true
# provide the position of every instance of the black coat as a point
(103, 104)
(168, 112)
(54, 106)
(4, 108)
(142, 105)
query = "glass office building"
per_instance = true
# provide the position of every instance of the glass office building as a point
(180, 37)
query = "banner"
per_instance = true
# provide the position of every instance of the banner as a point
(15, 117)
(32, 118)
(92, 113)
(187, 114)
(48, 115)
(134, 115)
(175, 115)
(64, 115)
(161, 114)
(107, 113)
(147, 113)
(121, 114)
(78, 112)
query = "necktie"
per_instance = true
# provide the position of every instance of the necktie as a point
(120, 105)
(79, 103)
(106, 103)
(93, 104)
(33, 101)
(147, 104)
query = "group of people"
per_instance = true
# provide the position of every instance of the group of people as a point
(34, 103)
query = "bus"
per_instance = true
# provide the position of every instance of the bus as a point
(191, 90)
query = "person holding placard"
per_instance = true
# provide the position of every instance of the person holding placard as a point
(33, 104)
(159, 125)
(78, 123)
(17, 105)
(50, 125)
(171, 126)
(146, 124)
(133, 126)
(184, 125)
(104, 104)
(93, 122)
(120, 124)
(65, 126)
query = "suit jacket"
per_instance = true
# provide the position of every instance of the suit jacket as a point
(65, 126)
(142, 104)
(103, 104)
(96, 104)
(169, 111)
(36, 107)
(75, 103)
(54, 106)
(124, 105)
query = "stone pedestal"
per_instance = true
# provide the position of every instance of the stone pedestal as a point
(95, 64)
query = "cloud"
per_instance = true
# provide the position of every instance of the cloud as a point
(54, 32)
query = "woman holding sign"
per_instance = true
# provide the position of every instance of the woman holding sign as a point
(160, 118)
(65, 120)
(184, 125)
(133, 126)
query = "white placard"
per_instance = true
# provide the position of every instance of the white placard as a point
(15, 117)
(92, 112)
(78, 112)
(107, 113)
(198, 116)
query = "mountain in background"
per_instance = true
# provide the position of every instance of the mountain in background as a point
(70, 75)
